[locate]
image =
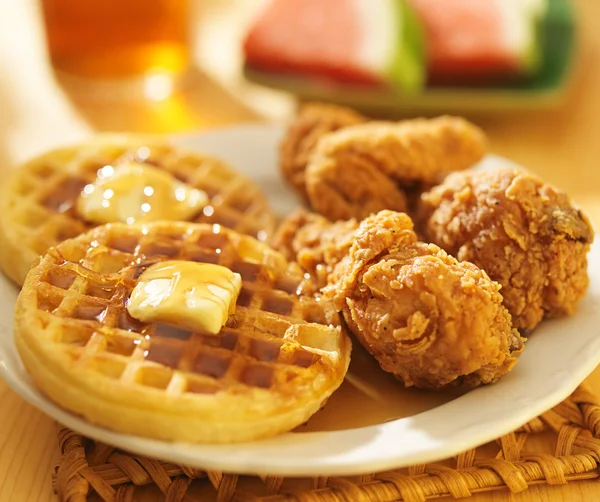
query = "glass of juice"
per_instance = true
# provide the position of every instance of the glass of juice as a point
(111, 39)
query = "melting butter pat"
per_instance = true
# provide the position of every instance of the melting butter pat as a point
(137, 192)
(194, 296)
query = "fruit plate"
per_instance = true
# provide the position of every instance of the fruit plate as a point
(371, 423)
(545, 90)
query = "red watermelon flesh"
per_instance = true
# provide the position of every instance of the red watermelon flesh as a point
(309, 37)
(472, 39)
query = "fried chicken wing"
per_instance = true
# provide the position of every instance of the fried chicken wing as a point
(362, 169)
(313, 121)
(524, 233)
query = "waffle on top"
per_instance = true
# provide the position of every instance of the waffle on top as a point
(276, 360)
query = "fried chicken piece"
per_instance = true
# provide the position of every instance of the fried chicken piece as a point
(524, 233)
(425, 317)
(428, 319)
(445, 319)
(313, 121)
(314, 242)
(362, 169)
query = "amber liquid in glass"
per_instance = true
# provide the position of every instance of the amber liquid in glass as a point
(117, 38)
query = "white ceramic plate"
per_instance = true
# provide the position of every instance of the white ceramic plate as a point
(558, 357)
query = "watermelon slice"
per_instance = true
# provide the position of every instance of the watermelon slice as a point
(350, 41)
(481, 40)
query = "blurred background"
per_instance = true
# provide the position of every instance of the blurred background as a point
(525, 70)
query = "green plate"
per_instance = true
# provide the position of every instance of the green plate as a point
(545, 90)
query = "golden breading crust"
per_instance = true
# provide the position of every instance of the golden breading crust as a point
(313, 121)
(425, 317)
(315, 243)
(524, 233)
(362, 169)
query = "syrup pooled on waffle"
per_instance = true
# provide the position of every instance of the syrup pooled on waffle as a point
(272, 365)
(40, 203)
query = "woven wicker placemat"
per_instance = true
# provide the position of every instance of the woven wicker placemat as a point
(91, 470)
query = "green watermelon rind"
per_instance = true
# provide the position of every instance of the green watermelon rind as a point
(558, 41)
(533, 55)
(407, 69)
(531, 59)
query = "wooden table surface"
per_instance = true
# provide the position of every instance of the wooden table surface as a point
(562, 146)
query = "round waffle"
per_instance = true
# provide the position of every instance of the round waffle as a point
(275, 362)
(38, 202)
